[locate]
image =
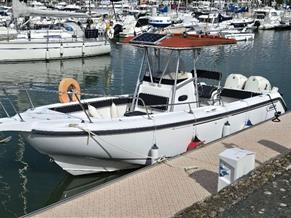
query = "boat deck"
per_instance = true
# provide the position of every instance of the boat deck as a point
(166, 188)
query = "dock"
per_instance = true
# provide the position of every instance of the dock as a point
(164, 189)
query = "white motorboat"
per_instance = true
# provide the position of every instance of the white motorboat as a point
(160, 21)
(169, 112)
(212, 23)
(268, 18)
(129, 26)
(242, 22)
(239, 35)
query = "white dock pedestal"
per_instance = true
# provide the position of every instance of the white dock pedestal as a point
(234, 163)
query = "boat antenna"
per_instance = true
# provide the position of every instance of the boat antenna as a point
(112, 2)
(89, 8)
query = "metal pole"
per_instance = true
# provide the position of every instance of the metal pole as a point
(159, 60)
(113, 10)
(14, 108)
(175, 84)
(149, 65)
(29, 99)
(82, 106)
(137, 82)
(166, 67)
(4, 109)
(195, 57)
(89, 7)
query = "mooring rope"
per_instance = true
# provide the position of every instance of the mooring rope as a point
(277, 113)
(91, 134)
(161, 160)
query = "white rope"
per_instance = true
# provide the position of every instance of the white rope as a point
(5, 140)
(161, 160)
(91, 134)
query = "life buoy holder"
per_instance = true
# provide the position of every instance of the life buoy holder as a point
(69, 84)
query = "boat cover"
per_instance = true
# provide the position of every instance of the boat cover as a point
(176, 41)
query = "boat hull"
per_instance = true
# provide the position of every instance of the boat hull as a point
(126, 143)
(23, 50)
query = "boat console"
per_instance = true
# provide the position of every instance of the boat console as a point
(157, 92)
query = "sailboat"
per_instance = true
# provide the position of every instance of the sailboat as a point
(69, 41)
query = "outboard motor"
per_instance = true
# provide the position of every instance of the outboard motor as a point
(117, 29)
(257, 23)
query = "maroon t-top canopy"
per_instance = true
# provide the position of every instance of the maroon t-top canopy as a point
(176, 41)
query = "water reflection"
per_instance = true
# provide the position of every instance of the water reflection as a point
(52, 72)
(71, 185)
(93, 74)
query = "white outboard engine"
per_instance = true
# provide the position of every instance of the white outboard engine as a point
(257, 84)
(235, 81)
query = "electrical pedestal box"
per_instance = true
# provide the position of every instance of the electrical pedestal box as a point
(234, 163)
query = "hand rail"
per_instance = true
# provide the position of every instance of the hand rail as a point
(145, 106)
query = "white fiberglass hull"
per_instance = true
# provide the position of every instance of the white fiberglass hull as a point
(126, 142)
(240, 36)
(24, 50)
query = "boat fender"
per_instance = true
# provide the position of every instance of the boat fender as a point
(68, 84)
(47, 55)
(114, 111)
(154, 154)
(248, 123)
(195, 142)
(226, 129)
(83, 49)
(61, 50)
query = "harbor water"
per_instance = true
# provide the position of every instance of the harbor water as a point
(29, 180)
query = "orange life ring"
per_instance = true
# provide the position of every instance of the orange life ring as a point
(68, 84)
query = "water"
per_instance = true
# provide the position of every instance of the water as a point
(29, 181)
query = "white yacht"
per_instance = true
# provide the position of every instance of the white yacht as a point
(268, 18)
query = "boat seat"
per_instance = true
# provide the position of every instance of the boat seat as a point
(238, 94)
(154, 101)
(134, 113)
(207, 74)
(206, 91)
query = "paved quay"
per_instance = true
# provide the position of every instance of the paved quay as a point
(164, 189)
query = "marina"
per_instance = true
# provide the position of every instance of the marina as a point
(146, 87)
(107, 76)
(173, 185)
(98, 134)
